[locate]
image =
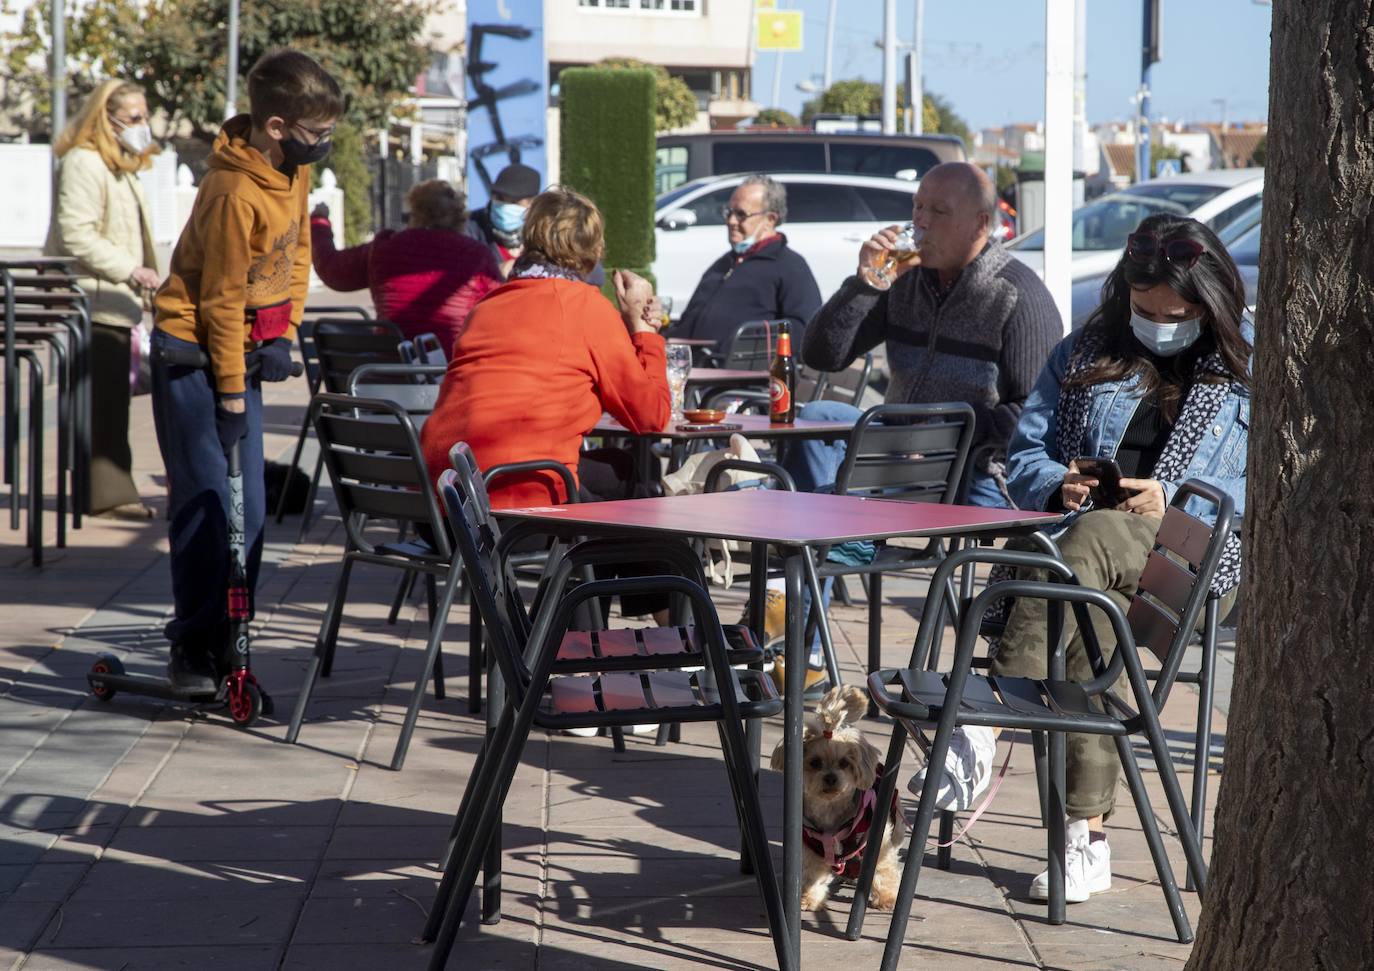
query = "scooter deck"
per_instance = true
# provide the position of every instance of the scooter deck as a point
(138, 684)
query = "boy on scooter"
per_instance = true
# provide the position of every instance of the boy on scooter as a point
(237, 289)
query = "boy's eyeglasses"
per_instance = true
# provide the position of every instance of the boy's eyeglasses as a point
(320, 133)
(739, 215)
(1146, 247)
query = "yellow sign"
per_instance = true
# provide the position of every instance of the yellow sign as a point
(778, 30)
(765, 4)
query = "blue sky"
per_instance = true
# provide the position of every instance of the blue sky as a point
(987, 56)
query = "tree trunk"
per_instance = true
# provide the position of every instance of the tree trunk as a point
(1293, 867)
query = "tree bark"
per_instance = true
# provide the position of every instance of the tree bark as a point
(1292, 881)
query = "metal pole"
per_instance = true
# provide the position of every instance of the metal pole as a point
(828, 74)
(1059, 62)
(1080, 86)
(231, 87)
(1149, 53)
(918, 89)
(777, 80)
(59, 70)
(889, 67)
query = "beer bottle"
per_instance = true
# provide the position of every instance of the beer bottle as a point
(782, 381)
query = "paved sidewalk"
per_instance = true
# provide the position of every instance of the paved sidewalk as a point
(136, 835)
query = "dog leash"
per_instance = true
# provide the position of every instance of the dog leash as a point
(982, 806)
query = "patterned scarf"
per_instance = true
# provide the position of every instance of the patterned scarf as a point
(1201, 405)
(531, 269)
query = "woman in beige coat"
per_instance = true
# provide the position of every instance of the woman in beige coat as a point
(101, 218)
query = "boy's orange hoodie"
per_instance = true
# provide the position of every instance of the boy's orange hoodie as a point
(241, 269)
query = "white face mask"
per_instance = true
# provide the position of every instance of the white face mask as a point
(136, 138)
(1165, 340)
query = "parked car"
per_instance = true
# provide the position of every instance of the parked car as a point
(683, 158)
(1100, 228)
(1241, 239)
(828, 219)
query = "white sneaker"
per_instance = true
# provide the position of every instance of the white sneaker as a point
(968, 768)
(1087, 867)
(582, 732)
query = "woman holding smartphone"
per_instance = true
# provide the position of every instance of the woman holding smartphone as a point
(1154, 390)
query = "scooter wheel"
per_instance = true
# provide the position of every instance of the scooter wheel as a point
(245, 706)
(105, 664)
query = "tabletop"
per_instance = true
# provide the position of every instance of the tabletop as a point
(786, 518)
(692, 341)
(753, 426)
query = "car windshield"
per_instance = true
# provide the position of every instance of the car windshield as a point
(1245, 248)
(668, 198)
(1105, 224)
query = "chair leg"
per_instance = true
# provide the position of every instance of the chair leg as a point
(1056, 828)
(1202, 742)
(1042, 775)
(915, 854)
(1182, 928)
(491, 861)
(875, 630)
(280, 511)
(832, 663)
(891, 768)
(398, 600)
(310, 499)
(943, 852)
(324, 648)
(1178, 807)
(417, 697)
(36, 419)
(476, 659)
(430, 594)
(755, 838)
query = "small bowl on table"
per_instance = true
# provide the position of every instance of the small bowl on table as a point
(704, 416)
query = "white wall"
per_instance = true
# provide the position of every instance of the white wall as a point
(717, 36)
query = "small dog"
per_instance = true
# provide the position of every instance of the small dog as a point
(840, 776)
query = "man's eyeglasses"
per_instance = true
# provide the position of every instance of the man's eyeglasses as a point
(739, 215)
(1146, 247)
(321, 134)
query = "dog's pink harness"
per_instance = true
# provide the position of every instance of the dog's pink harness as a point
(843, 848)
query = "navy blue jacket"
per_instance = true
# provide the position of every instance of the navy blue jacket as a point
(771, 283)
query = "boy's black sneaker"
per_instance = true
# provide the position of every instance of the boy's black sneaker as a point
(191, 671)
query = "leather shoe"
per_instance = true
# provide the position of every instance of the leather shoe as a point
(815, 685)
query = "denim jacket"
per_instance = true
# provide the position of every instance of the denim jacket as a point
(1034, 474)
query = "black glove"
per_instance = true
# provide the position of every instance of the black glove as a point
(274, 360)
(230, 426)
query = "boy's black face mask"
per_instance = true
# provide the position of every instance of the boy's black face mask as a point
(296, 152)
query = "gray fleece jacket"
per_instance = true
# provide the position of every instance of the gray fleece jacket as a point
(984, 341)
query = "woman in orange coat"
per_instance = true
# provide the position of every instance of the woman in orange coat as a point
(544, 355)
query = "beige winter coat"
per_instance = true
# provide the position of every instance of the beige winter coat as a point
(102, 219)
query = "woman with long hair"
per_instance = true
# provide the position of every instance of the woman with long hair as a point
(101, 218)
(1158, 379)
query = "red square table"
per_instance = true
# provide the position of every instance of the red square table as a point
(791, 522)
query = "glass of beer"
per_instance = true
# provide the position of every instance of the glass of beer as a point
(907, 249)
(666, 303)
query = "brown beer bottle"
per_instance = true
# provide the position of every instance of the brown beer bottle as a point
(782, 381)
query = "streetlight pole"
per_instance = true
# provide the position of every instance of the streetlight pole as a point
(889, 67)
(828, 75)
(1149, 54)
(231, 87)
(916, 97)
(59, 69)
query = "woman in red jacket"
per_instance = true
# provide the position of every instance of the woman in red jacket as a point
(425, 278)
(544, 355)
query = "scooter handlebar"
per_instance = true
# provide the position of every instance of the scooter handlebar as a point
(196, 357)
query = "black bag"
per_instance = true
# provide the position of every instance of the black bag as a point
(297, 487)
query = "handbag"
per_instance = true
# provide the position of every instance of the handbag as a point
(140, 359)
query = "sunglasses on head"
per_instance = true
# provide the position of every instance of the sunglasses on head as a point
(1146, 247)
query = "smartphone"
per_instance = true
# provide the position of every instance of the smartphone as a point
(1108, 493)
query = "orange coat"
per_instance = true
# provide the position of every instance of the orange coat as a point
(538, 363)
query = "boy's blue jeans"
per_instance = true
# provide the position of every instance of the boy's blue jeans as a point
(814, 464)
(197, 474)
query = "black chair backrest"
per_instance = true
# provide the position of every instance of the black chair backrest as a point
(343, 344)
(750, 347)
(310, 358)
(376, 466)
(848, 385)
(914, 453)
(428, 350)
(408, 385)
(1176, 581)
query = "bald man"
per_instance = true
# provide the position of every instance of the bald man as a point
(965, 322)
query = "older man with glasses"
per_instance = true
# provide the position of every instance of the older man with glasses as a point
(760, 277)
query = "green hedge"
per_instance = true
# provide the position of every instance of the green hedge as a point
(607, 142)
